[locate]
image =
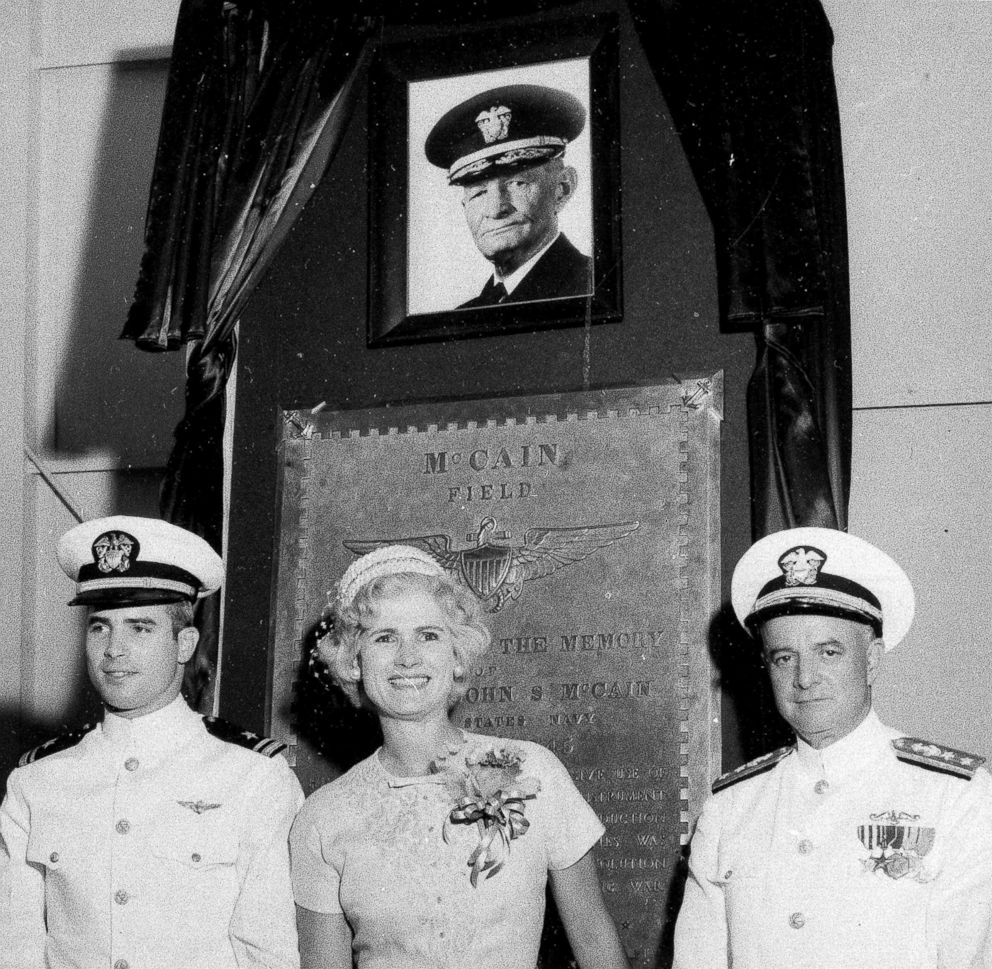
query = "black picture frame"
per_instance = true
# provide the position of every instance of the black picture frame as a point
(408, 299)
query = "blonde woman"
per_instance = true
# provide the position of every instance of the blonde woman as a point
(435, 851)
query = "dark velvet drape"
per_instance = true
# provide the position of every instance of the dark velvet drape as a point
(750, 86)
(257, 99)
(256, 102)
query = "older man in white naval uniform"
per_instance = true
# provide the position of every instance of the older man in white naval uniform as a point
(858, 847)
(157, 840)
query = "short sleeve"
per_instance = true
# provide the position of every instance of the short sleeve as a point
(316, 882)
(961, 905)
(22, 886)
(701, 935)
(573, 826)
(262, 927)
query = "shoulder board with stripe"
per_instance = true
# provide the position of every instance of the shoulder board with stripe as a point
(233, 734)
(752, 768)
(62, 742)
(937, 757)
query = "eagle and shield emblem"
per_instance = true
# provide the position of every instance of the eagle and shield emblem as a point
(494, 124)
(496, 573)
(801, 565)
(114, 551)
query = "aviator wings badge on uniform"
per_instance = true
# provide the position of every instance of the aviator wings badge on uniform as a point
(496, 573)
(198, 807)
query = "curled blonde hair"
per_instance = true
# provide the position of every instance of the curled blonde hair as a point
(339, 649)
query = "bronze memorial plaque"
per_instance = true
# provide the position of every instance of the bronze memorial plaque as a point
(588, 525)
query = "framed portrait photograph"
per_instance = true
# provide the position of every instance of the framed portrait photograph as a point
(495, 183)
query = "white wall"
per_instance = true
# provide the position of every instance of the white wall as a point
(15, 54)
(73, 32)
(81, 89)
(915, 94)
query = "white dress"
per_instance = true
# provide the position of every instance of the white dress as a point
(383, 850)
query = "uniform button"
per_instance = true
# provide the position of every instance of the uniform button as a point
(121, 897)
(122, 964)
(196, 857)
(132, 763)
(821, 787)
(805, 846)
(54, 857)
(797, 920)
(123, 826)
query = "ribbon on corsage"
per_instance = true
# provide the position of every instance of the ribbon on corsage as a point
(490, 791)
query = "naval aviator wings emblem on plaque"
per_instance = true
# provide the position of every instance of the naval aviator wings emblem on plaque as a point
(497, 573)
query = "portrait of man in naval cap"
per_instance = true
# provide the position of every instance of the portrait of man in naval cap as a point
(502, 210)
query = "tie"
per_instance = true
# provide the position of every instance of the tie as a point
(493, 293)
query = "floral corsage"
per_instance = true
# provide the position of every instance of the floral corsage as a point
(490, 791)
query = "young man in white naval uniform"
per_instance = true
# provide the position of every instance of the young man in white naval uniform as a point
(157, 840)
(858, 847)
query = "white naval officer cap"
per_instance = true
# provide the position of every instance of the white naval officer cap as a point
(822, 571)
(124, 560)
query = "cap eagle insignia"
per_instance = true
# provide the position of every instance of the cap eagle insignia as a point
(801, 565)
(494, 123)
(112, 551)
(496, 573)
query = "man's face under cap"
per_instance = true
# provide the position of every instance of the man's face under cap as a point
(513, 216)
(821, 670)
(825, 605)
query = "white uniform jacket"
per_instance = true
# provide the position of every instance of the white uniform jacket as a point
(149, 844)
(843, 858)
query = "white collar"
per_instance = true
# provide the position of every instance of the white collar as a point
(849, 754)
(154, 733)
(513, 280)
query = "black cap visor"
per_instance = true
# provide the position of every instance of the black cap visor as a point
(122, 598)
(810, 606)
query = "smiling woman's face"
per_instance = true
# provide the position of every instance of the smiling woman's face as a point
(407, 657)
